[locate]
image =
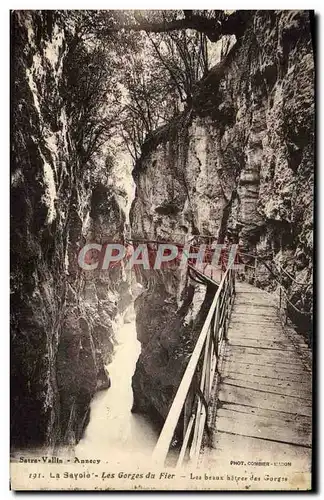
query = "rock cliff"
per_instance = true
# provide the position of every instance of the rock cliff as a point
(239, 159)
(61, 317)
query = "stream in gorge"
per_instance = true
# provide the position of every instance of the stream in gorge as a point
(113, 430)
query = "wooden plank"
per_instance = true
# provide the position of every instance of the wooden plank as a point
(272, 365)
(256, 321)
(254, 300)
(248, 314)
(266, 372)
(247, 295)
(272, 388)
(259, 399)
(257, 306)
(237, 328)
(264, 427)
(256, 335)
(290, 418)
(257, 351)
(263, 342)
(283, 365)
(275, 363)
(253, 316)
(299, 388)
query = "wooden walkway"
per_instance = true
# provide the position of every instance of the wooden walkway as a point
(262, 411)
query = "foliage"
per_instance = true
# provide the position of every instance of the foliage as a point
(128, 72)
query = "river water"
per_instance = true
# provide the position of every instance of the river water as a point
(113, 432)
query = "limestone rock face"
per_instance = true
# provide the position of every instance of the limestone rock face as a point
(241, 158)
(61, 316)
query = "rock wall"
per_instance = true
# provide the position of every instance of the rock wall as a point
(240, 159)
(61, 317)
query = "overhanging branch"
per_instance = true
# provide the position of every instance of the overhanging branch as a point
(214, 28)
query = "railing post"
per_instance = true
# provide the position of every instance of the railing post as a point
(185, 441)
(204, 390)
(216, 328)
(286, 313)
(280, 276)
(188, 409)
(230, 284)
(209, 344)
(226, 304)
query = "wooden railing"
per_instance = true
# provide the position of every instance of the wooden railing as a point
(190, 405)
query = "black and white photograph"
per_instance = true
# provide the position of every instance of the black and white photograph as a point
(162, 169)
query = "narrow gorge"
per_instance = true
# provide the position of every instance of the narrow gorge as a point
(62, 319)
(235, 158)
(238, 161)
